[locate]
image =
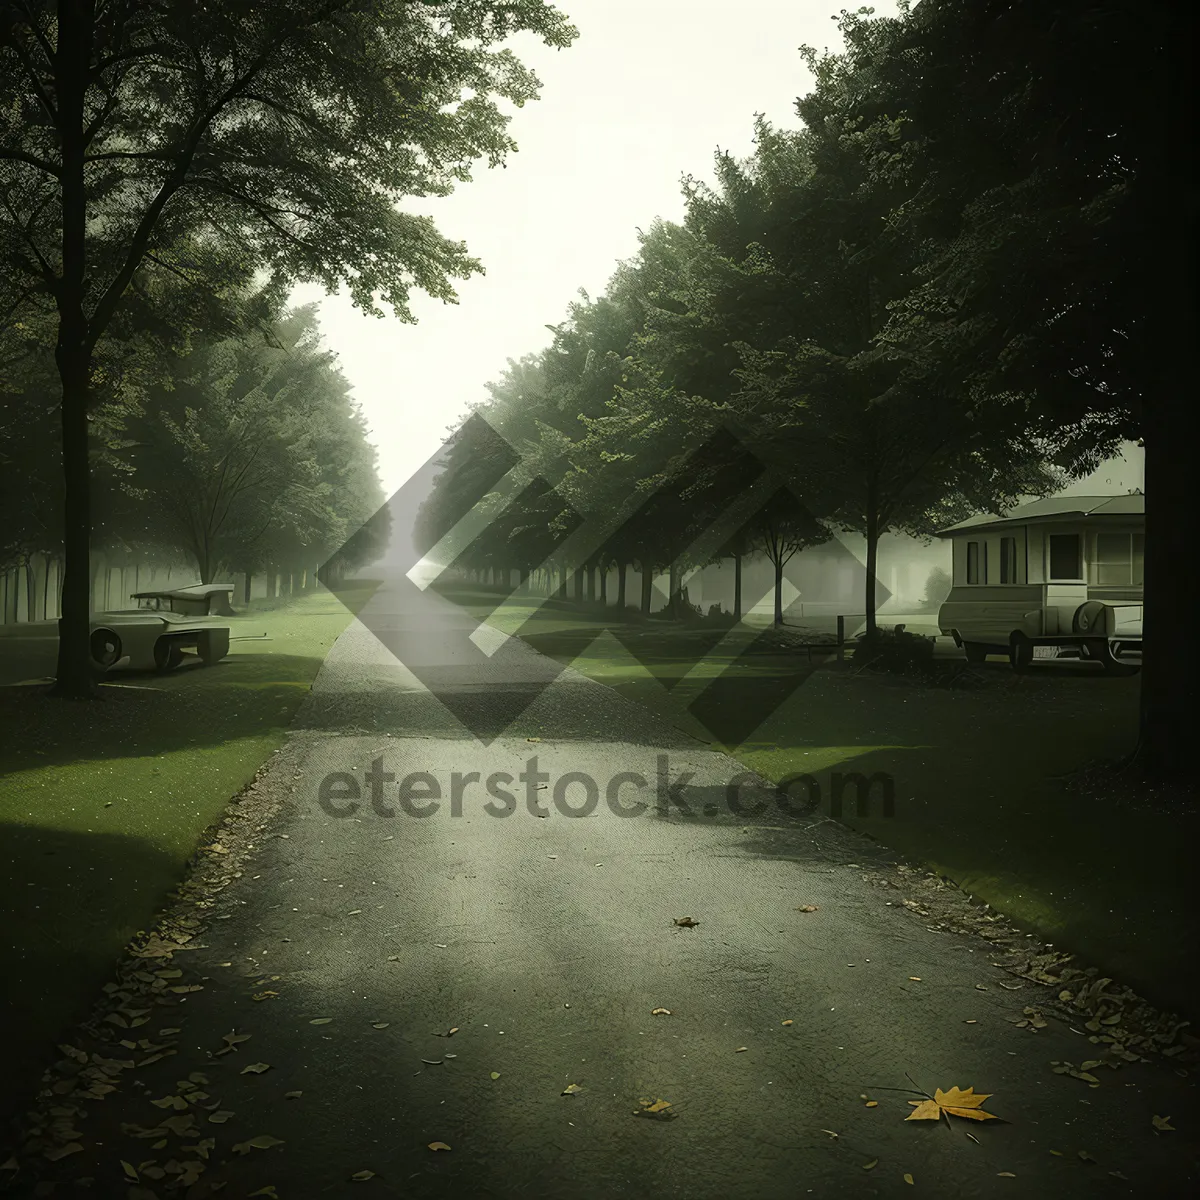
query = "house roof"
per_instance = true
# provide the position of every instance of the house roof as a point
(195, 591)
(1054, 508)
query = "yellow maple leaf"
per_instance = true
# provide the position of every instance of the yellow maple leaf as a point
(957, 1102)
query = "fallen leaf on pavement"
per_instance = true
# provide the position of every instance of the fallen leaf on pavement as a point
(268, 1191)
(956, 1102)
(660, 1012)
(871, 1165)
(1162, 1123)
(380, 1025)
(495, 1074)
(264, 1141)
(1006, 1175)
(292, 1095)
(872, 1104)
(572, 1089)
(787, 1022)
(807, 908)
(1086, 1156)
(686, 922)
(741, 1049)
(232, 1041)
(321, 1021)
(656, 1110)
(438, 1146)
(264, 995)
(58, 1152)
(915, 978)
(908, 1178)
(830, 1132)
(256, 1068)
(220, 1117)
(361, 1175)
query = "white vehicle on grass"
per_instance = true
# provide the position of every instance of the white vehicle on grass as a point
(165, 625)
(1057, 578)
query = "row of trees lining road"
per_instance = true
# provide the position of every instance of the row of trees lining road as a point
(947, 291)
(245, 456)
(252, 454)
(178, 150)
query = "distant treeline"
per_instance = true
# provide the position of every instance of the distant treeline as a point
(242, 456)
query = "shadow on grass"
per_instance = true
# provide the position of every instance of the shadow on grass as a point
(143, 714)
(1109, 884)
(66, 911)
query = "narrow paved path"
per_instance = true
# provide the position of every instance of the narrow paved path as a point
(546, 942)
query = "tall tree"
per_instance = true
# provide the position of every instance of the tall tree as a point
(285, 133)
(1055, 218)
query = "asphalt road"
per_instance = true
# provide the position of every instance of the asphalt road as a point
(547, 941)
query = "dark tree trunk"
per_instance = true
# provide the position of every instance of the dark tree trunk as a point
(578, 585)
(1171, 663)
(1165, 202)
(73, 351)
(31, 590)
(737, 587)
(562, 583)
(872, 563)
(591, 583)
(778, 589)
(647, 587)
(604, 584)
(47, 563)
(247, 584)
(621, 568)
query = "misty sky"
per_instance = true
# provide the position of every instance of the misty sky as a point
(647, 94)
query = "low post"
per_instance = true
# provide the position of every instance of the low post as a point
(841, 639)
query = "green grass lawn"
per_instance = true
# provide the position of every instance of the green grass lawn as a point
(977, 775)
(103, 802)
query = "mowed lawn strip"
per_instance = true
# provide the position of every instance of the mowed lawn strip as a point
(977, 772)
(102, 803)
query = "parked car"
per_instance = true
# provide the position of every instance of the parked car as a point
(1057, 578)
(156, 634)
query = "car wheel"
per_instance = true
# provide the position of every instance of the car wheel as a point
(168, 654)
(105, 647)
(1101, 650)
(1090, 617)
(213, 646)
(1020, 651)
(976, 652)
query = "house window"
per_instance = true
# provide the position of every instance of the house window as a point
(1139, 558)
(972, 562)
(1114, 559)
(1008, 560)
(1066, 556)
